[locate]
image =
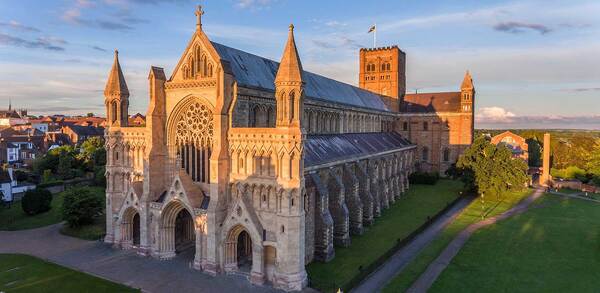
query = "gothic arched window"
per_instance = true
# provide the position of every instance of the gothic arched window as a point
(425, 126)
(425, 154)
(193, 138)
(387, 66)
(446, 155)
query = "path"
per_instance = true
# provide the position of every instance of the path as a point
(121, 266)
(580, 195)
(378, 279)
(441, 262)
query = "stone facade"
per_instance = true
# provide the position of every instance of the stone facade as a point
(260, 167)
(440, 124)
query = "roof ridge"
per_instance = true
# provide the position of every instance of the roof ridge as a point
(355, 87)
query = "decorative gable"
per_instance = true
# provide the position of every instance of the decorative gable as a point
(199, 60)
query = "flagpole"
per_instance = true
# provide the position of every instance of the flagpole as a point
(375, 37)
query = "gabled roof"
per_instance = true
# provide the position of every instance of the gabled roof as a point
(325, 148)
(431, 102)
(86, 130)
(257, 72)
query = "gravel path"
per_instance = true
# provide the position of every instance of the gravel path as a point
(378, 279)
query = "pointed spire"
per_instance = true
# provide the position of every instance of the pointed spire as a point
(467, 81)
(116, 85)
(9, 104)
(290, 67)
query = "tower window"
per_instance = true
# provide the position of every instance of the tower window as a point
(387, 66)
(405, 126)
(425, 154)
(425, 126)
(446, 155)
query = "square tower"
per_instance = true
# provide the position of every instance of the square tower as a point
(383, 71)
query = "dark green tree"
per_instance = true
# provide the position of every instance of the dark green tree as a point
(535, 152)
(490, 170)
(36, 201)
(81, 206)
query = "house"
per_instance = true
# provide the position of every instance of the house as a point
(78, 134)
(9, 186)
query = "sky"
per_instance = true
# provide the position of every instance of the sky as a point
(535, 64)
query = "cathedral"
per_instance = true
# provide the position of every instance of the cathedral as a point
(260, 167)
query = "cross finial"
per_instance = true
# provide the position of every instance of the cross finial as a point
(199, 13)
(291, 27)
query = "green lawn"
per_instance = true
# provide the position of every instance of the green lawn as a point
(471, 214)
(23, 273)
(406, 215)
(14, 218)
(553, 247)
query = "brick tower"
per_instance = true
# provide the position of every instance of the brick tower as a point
(383, 71)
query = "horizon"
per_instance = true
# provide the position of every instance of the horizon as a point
(556, 85)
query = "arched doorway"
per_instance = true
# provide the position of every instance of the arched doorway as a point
(184, 231)
(244, 252)
(130, 228)
(239, 250)
(177, 231)
(136, 230)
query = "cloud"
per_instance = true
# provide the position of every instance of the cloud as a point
(497, 114)
(42, 43)
(588, 89)
(591, 122)
(97, 48)
(19, 27)
(500, 118)
(254, 4)
(111, 25)
(515, 27)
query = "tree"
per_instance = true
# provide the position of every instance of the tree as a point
(81, 206)
(535, 152)
(65, 164)
(90, 114)
(36, 201)
(92, 153)
(491, 170)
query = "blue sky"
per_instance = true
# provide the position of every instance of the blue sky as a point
(535, 63)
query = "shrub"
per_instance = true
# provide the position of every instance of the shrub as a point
(36, 201)
(99, 176)
(424, 178)
(81, 206)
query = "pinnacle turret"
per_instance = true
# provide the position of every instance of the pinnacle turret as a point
(290, 67)
(116, 85)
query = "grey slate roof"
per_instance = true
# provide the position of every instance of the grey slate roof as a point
(325, 148)
(258, 72)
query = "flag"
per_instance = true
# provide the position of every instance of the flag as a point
(372, 29)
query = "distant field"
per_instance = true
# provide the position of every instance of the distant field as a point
(23, 273)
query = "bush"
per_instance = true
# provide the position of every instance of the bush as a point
(99, 176)
(81, 206)
(36, 201)
(424, 178)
